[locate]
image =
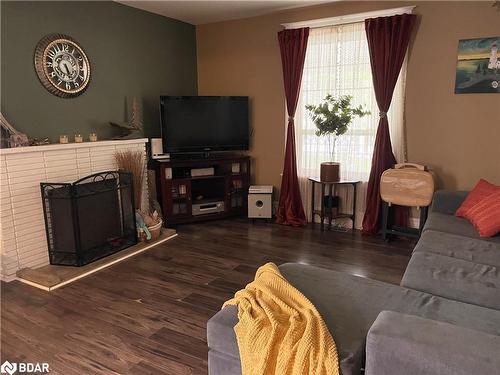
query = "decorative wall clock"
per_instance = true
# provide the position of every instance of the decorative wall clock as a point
(62, 66)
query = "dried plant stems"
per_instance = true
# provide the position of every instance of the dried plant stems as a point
(133, 162)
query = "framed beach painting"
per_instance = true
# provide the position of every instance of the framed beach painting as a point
(478, 66)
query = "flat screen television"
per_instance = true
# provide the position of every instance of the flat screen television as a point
(204, 123)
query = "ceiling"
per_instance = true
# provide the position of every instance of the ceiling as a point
(208, 11)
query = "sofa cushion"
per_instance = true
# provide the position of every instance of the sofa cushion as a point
(485, 216)
(454, 278)
(350, 304)
(456, 225)
(466, 248)
(482, 189)
(404, 344)
(447, 201)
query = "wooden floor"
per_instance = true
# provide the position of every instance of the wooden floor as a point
(147, 315)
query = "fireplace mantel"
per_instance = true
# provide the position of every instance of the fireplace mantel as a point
(70, 146)
(22, 228)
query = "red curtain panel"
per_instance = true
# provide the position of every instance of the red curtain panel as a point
(293, 45)
(388, 39)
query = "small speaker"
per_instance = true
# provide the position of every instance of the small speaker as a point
(157, 149)
(260, 201)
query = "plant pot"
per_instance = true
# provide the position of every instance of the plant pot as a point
(155, 230)
(330, 172)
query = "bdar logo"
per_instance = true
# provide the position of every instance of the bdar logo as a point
(8, 368)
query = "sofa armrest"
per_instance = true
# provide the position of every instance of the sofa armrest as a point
(220, 331)
(447, 201)
(405, 344)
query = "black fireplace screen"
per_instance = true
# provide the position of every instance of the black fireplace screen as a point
(89, 218)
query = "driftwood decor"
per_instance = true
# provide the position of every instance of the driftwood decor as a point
(10, 136)
(39, 142)
(133, 129)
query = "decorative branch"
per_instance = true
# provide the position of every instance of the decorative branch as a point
(136, 115)
(13, 137)
(333, 116)
(133, 129)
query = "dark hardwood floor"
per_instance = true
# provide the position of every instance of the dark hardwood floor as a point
(148, 314)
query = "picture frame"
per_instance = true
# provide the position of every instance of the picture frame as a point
(478, 66)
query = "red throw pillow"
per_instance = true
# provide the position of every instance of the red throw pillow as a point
(485, 216)
(482, 189)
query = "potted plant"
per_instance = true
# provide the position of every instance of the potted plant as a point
(332, 118)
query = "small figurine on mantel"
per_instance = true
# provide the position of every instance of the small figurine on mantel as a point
(133, 129)
(10, 136)
(39, 142)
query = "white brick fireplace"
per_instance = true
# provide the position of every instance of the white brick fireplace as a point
(23, 241)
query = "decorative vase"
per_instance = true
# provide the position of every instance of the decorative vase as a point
(330, 172)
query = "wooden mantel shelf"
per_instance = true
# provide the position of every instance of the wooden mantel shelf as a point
(69, 146)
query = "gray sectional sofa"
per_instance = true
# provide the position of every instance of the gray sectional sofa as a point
(444, 318)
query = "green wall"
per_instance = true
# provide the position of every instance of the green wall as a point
(132, 54)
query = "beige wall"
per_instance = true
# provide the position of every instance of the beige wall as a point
(458, 135)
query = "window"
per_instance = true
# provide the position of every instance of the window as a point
(338, 63)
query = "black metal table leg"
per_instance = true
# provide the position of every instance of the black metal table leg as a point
(312, 202)
(423, 218)
(322, 207)
(330, 206)
(355, 187)
(385, 216)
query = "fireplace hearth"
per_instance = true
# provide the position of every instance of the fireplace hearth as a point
(90, 218)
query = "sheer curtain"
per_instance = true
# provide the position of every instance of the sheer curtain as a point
(338, 63)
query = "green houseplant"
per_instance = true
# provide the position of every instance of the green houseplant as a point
(332, 118)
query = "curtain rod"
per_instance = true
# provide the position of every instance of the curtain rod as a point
(348, 18)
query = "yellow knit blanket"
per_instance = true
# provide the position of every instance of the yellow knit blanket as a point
(280, 331)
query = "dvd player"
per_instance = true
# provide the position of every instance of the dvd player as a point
(207, 208)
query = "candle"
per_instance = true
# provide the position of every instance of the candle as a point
(63, 139)
(78, 138)
(93, 137)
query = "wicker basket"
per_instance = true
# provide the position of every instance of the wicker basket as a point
(155, 230)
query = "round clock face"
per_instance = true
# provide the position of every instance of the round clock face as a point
(62, 66)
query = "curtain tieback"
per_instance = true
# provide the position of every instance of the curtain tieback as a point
(382, 114)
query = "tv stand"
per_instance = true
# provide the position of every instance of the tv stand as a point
(204, 156)
(220, 193)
